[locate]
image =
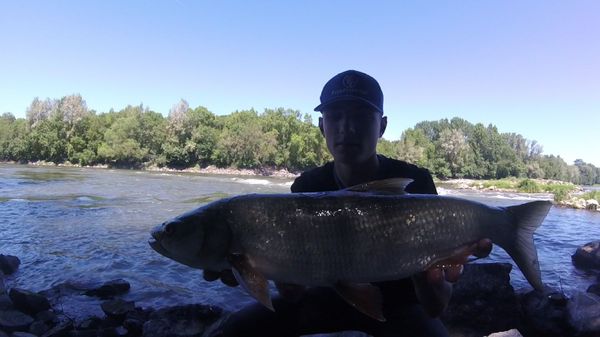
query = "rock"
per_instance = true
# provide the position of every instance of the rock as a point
(117, 308)
(13, 320)
(546, 314)
(2, 286)
(109, 289)
(22, 334)
(38, 328)
(587, 256)
(594, 289)
(584, 314)
(5, 302)
(3, 334)
(9, 264)
(47, 316)
(61, 330)
(90, 323)
(27, 301)
(509, 333)
(83, 333)
(591, 205)
(483, 301)
(188, 320)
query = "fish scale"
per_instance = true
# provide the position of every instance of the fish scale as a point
(318, 240)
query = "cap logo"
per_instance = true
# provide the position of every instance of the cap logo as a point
(349, 81)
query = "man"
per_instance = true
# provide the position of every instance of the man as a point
(352, 122)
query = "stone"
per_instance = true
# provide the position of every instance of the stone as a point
(110, 289)
(483, 301)
(591, 204)
(584, 314)
(587, 256)
(28, 301)
(509, 333)
(3, 334)
(546, 314)
(83, 333)
(38, 328)
(22, 334)
(594, 289)
(117, 308)
(2, 286)
(9, 264)
(187, 320)
(61, 330)
(47, 316)
(90, 323)
(13, 320)
(5, 302)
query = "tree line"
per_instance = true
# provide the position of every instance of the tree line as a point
(65, 130)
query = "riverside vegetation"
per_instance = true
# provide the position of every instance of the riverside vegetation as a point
(66, 131)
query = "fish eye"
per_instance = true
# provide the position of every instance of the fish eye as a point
(169, 228)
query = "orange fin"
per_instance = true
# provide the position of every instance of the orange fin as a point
(250, 279)
(366, 298)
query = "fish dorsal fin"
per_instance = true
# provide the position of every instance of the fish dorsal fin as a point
(250, 279)
(384, 186)
(366, 298)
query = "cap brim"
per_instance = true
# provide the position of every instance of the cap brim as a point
(322, 106)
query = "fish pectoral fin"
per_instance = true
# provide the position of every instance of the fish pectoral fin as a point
(384, 186)
(366, 298)
(255, 283)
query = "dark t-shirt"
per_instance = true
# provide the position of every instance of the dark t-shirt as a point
(322, 179)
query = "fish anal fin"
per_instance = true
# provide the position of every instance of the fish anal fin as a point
(255, 283)
(384, 186)
(366, 298)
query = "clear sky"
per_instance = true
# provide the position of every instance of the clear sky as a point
(530, 67)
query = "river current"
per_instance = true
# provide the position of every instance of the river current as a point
(83, 225)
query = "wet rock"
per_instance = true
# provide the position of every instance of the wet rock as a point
(38, 328)
(110, 289)
(22, 334)
(5, 302)
(13, 320)
(546, 314)
(509, 333)
(47, 316)
(587, 256)
(594, 289)
(591, 204)
(117, 309)
(3, 334)
(483, 301)
(2, 286)
(83, 333)
(90, 323)
(584, 314)
(60, 330)
(28, 301)
(9, 264)
(188, 320)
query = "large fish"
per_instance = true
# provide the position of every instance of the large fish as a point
(368, 233)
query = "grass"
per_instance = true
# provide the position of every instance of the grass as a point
(591, 195)
(560, 190)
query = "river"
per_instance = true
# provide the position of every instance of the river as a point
(78, 225)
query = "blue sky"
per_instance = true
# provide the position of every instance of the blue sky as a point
(530, 67)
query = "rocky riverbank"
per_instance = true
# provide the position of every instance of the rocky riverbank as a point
(483, 303)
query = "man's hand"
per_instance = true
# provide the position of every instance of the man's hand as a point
(225, 275)
(433, 286)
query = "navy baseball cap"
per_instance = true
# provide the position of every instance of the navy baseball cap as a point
(352, 85)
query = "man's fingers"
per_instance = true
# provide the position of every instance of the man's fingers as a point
(483, 248)
(452, 273)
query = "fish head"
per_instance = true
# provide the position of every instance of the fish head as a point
(199, 239)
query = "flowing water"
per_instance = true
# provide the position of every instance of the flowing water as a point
(79, 225)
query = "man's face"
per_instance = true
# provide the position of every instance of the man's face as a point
(351, 130)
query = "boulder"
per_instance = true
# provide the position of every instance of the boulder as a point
(38, 328)
(587, 256)
(60, 330)
(9, 264)
(13, 320)
(28, 301)
(117, 308)
(509, 333)
(584, 314)
(2, 286)
(594, 289)
(109, 289)
(22, 334)
(483, 301)
(546, 314)
(5, 302)
(187, 320)
(591, 204)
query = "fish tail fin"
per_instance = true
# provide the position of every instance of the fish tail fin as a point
(525, 218)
